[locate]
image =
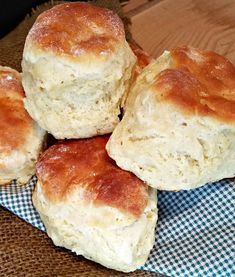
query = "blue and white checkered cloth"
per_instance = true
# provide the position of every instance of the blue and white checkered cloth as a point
(195, 234)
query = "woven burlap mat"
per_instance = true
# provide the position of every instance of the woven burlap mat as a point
(24, 250)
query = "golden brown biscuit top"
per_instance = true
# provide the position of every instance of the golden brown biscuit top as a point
(200, 82)
(15, 121)
(77, 29)
(85, 164)
(143, 59)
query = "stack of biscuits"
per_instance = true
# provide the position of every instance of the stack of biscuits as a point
(127, 126)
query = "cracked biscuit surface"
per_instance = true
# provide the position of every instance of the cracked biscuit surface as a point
(178, 131)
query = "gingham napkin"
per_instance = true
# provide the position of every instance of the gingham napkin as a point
(195, 234)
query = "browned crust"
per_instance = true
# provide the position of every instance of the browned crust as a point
(201, 83)
(15, 121)
(143, 59)
(85, 164)
(77, 29)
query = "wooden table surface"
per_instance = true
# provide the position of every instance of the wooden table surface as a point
(156, 26)
(207, 24)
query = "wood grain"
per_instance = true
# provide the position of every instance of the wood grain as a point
(205, 24)
(133, 7)
(133, 4)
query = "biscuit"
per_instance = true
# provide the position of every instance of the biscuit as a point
(94, 208)
(76, 66)
(21, 139)
(178, 131)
